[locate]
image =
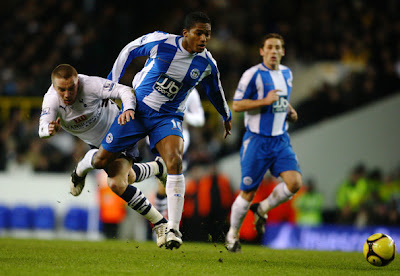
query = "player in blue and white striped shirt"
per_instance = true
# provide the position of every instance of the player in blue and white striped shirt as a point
(263, 93)
(175, 65)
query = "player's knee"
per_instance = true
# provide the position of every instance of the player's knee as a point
(248, 195)
(116, 185)
(295, 185)
(174, 164)
(99, 162)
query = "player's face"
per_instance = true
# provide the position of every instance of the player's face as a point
(67, 89)
(195, 40)
(272, 53)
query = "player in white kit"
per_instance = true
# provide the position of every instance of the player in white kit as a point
(82, 106)
(263, 93)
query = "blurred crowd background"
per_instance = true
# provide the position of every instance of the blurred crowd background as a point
(89, 34)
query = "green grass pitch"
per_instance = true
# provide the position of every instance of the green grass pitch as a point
(117, 257)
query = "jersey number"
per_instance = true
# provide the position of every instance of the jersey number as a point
(176, 124)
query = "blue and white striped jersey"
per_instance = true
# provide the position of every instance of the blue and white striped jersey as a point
(255, 84)
(170, 73)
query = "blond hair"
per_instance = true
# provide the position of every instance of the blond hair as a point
(64, 71)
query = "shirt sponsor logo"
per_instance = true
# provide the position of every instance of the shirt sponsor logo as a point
(167, 86)
(82, 123)
(80, 119)
(281, 105)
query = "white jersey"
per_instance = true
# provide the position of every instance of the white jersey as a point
(88, 118)
(194, 116)
(194, 113)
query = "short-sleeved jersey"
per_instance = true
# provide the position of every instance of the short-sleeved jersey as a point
(170, 73)
(255, 84)
(88, 117)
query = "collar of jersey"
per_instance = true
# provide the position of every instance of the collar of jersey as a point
(265, 66)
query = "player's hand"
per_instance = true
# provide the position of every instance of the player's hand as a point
(54, 126)
(126, 116)
(228, 127)
(271, 97)
(292, 115)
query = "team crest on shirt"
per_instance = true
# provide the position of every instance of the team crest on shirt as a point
(109, 138)
(247, 180)
(195, 73)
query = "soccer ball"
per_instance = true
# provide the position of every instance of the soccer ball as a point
(379, 249)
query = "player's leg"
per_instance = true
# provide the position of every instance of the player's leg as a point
(160, 201)
(170, 149)
(239, 210)
(282, 192)
(253, 167)
(112, 145)
(93, 159)
(142, 171)
(118, 182)
(287, 167)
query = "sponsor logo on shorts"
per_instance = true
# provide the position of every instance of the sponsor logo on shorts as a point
(247, 180)
(109, 138)
(195, 73)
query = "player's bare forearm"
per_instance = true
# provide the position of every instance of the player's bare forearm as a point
(292, 114)
(247, 104)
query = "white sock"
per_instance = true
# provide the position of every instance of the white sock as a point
(279, 195)
(238, 212)
(175, 190)
(85, 165)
